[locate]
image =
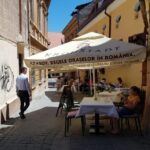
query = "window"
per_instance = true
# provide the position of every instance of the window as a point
(138, 39)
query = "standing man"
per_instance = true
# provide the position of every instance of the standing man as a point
(23, 91)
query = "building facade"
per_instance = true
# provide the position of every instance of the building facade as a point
(112, 19)
(125, 20)
(55, 39)
(71, 29)
(20, 37)
(38, 41)
(13, 42)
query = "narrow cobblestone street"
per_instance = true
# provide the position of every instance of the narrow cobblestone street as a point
(41, 130)
(96, 52)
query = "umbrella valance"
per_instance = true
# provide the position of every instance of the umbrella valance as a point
(91, 49)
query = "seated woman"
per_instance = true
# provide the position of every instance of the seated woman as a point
(120, 82)
(129, 106)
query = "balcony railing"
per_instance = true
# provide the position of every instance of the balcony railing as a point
(37, 35)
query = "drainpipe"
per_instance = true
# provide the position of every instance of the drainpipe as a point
(109, 17)
(144, 15)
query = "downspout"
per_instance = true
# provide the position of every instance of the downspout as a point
(144, 15)
(109, 17)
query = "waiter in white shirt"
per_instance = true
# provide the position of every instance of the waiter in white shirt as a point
(23, 91)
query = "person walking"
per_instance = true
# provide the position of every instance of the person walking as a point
(23, 91)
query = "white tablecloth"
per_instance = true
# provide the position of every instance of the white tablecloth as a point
(100, 106)
(114, 96)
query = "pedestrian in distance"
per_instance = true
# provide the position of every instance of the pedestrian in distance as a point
(23, 91)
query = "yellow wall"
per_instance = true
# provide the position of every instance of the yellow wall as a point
(131, 74)
(128, 26)
(98, 26)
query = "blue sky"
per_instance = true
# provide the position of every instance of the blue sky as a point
(60, 13)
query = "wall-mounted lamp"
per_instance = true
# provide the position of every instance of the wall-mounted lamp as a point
(103, 28)
(118, 18)
(137, 8)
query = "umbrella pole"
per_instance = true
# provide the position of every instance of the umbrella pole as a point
(90, 81)
(94, 86)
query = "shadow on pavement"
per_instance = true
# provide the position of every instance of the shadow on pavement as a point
(53, 95)
(41, 130)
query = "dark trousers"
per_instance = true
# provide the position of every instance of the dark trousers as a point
(24, 100)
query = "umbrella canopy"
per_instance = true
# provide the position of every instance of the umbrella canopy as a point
(86, 51)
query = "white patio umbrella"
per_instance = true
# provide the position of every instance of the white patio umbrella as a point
(91, 50)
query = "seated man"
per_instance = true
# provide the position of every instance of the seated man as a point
(102, 85)
(84, 87)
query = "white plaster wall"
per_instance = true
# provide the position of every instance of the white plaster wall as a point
(9, 20)
(8, 57)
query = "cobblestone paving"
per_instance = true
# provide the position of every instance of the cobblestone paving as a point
(41, 130)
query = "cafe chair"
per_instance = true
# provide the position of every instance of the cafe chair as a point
(72, 115)
(66, 101)
(62, 104)
(136, 116)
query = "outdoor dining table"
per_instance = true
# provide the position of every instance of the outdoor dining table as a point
(114, 96)
(99, 107)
